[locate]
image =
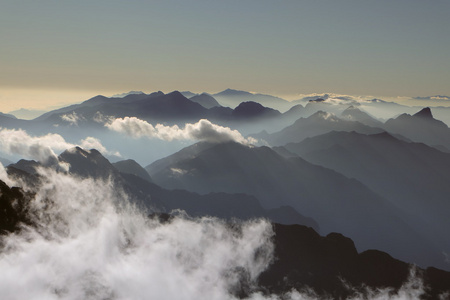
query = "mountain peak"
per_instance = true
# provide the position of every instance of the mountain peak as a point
(424, 113)
(231, 92)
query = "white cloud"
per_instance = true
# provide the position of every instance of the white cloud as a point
(336, 98)
(89, 244)
(40, 148)
(86, 247)
(203, 130)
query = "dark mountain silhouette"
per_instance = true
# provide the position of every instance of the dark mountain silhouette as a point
(130, 166)
(233, 98)
(336, 202)
(205, 100)
(319, 123)
(421, 127)
(158, 107)
(91, 164)
(306, 259)
(252, 110)
(172, 108)
(87, 163)
(14, 208)
(28, 166)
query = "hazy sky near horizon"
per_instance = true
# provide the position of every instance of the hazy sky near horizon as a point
(59, 51)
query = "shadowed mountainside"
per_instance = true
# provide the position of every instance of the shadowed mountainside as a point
(336, 202)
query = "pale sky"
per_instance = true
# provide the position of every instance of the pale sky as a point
(59, 51)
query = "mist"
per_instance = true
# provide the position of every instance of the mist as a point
(89, 242)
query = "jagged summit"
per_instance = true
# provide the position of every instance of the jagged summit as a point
(424, 113)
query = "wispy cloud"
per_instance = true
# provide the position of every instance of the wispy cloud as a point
(336, 98)
(203, 130)
(72, 118)
(434, 98)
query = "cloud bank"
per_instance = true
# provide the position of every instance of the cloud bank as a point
(203, 130)
(42, 148)
(92, 244)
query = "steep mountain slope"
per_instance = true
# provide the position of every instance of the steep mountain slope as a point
(336, 202)
(130, 166)
(421, 127)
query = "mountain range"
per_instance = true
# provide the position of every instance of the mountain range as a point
(128, 176)
(326, 171)
(336, 202)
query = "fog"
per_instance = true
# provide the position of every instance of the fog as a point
(90, 243)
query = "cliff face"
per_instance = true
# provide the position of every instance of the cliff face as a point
(13, 208)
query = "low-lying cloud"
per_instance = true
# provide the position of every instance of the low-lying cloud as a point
(42, 148)
(203, 130)
(92, 244)
(72, 118)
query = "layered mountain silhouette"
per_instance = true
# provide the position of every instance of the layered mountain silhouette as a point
(233, 98)
(205, 100)
(172, 108)
(353, 113)
(91, 164)
(421, 127)
(336, 202)
(319, 123)
(413, 176)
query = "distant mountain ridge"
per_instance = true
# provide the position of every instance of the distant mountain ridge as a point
(233, 98)
(413, 176)
(319, 123)
(421, 127)
(310, 189)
